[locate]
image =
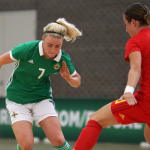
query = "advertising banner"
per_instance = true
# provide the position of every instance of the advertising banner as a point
(73, 115)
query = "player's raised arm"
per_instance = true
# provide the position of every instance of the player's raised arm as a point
(74, 80)
(5, 59)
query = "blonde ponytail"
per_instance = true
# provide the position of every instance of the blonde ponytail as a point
(64, 28)
(72, 31)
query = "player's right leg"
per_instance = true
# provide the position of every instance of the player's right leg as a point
(21, 119)
(24, 135)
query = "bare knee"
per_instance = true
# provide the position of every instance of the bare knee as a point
(104, 116)
(95, 117)
(26, 145)
(57, 140)
(92, 117)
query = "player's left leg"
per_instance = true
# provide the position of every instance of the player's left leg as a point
(147, 133)
(89, 135)
(46, 116)
(118, 112)
(53, 132)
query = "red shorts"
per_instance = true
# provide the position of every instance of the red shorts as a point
(127, 114)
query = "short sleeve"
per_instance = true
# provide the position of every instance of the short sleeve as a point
(70, 66)
(19, 52)
(131, 46)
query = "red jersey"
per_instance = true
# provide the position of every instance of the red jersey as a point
(141, 42)
(140, 112)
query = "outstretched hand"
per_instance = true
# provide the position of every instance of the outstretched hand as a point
(129, 98)
(64, 72)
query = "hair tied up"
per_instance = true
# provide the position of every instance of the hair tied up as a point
(147, 16)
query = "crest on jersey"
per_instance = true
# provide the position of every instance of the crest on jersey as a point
(57, 66)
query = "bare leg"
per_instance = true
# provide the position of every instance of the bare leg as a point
(104, 116)
(52, 129)
(24, 135)
(98, 120)
(147, 133)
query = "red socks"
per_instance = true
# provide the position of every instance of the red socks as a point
(89, 136)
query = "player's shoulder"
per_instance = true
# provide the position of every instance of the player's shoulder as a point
(135, 39)
(32, 44)
(65, 55)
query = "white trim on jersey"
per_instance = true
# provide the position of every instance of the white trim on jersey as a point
(40, 48)
(42, 53)
(12, 56)
(73, 73)
(58, 56)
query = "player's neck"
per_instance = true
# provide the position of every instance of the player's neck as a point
(143, 27)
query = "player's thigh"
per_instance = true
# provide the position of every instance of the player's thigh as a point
(23, 132)
(43, 110)
(52, 129)
(46, 117)
(21, 120)
(104, 116)
(18, 112)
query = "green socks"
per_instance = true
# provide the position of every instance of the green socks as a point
(65, 146)
(18, 147)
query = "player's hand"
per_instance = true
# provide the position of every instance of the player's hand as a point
(129, 98)
(64, 72)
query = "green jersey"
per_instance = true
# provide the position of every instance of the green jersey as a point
(30, 81)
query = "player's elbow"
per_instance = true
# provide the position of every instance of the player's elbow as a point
(137, 69)
(78, 83)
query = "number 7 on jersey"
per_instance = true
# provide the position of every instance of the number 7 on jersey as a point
(43, 70)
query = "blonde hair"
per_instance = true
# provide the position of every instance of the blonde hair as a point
(63, 27)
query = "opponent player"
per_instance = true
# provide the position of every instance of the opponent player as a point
(129, 108)
(29, 93)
